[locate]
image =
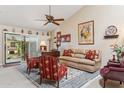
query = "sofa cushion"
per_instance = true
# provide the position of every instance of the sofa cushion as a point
(78, 51)
(79, 56)
(97, 60)
(78, 60)
(72, 54)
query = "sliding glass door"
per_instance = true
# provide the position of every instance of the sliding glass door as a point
(16, 46)
(31, 45)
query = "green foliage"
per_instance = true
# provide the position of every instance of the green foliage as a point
(118, 51)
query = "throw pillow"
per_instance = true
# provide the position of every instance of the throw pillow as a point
(97, 54)
(90, 54)
(87, 55)
(67, 52)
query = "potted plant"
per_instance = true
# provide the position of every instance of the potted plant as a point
(118, 50)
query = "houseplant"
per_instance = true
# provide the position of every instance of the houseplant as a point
(118, 50)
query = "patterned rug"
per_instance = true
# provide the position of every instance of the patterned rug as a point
(76, 78)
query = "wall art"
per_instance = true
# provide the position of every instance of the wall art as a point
(29, 32)
(111, 32)
(86, 33)
(66, 38)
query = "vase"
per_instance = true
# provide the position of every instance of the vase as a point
(113, 58)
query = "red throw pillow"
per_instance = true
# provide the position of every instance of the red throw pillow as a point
(87, 55)
(93, 54)
(90, 54)
(67, 52)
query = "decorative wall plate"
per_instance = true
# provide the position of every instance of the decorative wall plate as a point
(47, 33)
(22, 31)
(37, 33)
(29, 32)
(111, 30)
(5, 29)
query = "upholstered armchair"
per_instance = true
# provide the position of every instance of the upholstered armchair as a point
(113, 71)
(50, 69)
(32, 63)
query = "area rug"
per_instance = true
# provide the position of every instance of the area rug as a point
(76, 78)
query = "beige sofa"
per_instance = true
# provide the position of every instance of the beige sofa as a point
(77, 60)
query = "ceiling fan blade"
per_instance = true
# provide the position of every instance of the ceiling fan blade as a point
(46, 23)
(61, 19)
(55, 23)
(40, 20)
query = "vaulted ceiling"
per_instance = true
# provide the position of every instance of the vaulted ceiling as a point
(25, 15)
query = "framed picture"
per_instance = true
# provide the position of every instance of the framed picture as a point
(58, 39)
(58, 35)
(5, 29)
(48, 34)
(86, 33)
(66, 38)
(29, 32)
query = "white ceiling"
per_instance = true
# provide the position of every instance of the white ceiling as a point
(24, 16)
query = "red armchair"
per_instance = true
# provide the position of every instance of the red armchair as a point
(32, 63)
(113, 72)
(50, 69)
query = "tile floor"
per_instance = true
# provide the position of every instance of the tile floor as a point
(10, 77)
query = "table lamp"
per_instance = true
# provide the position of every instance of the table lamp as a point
(43, 46)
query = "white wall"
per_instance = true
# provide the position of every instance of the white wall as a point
(18, 31)
(103, 17)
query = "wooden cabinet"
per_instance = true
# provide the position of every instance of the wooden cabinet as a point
(52, 53)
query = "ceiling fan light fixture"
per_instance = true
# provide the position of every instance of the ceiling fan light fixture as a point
(51, 19)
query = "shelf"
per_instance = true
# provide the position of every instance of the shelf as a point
(111, 36)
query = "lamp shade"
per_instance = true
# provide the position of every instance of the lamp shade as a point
(42, 43)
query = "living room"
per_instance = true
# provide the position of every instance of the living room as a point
(105, 26)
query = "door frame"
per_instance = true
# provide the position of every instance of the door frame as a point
(5, 46)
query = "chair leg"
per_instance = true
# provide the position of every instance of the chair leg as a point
(40, 80)
(104, 82)
(121, 82)
(57, 84)
(29, 71)
(66, 75)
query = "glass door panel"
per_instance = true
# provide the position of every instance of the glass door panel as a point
(31, 46)
(14, 48)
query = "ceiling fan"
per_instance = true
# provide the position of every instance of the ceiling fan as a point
(50, 18)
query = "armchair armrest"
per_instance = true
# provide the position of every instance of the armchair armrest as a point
(97, 60)
(112, 64)
(104, 71)
(116, 69)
